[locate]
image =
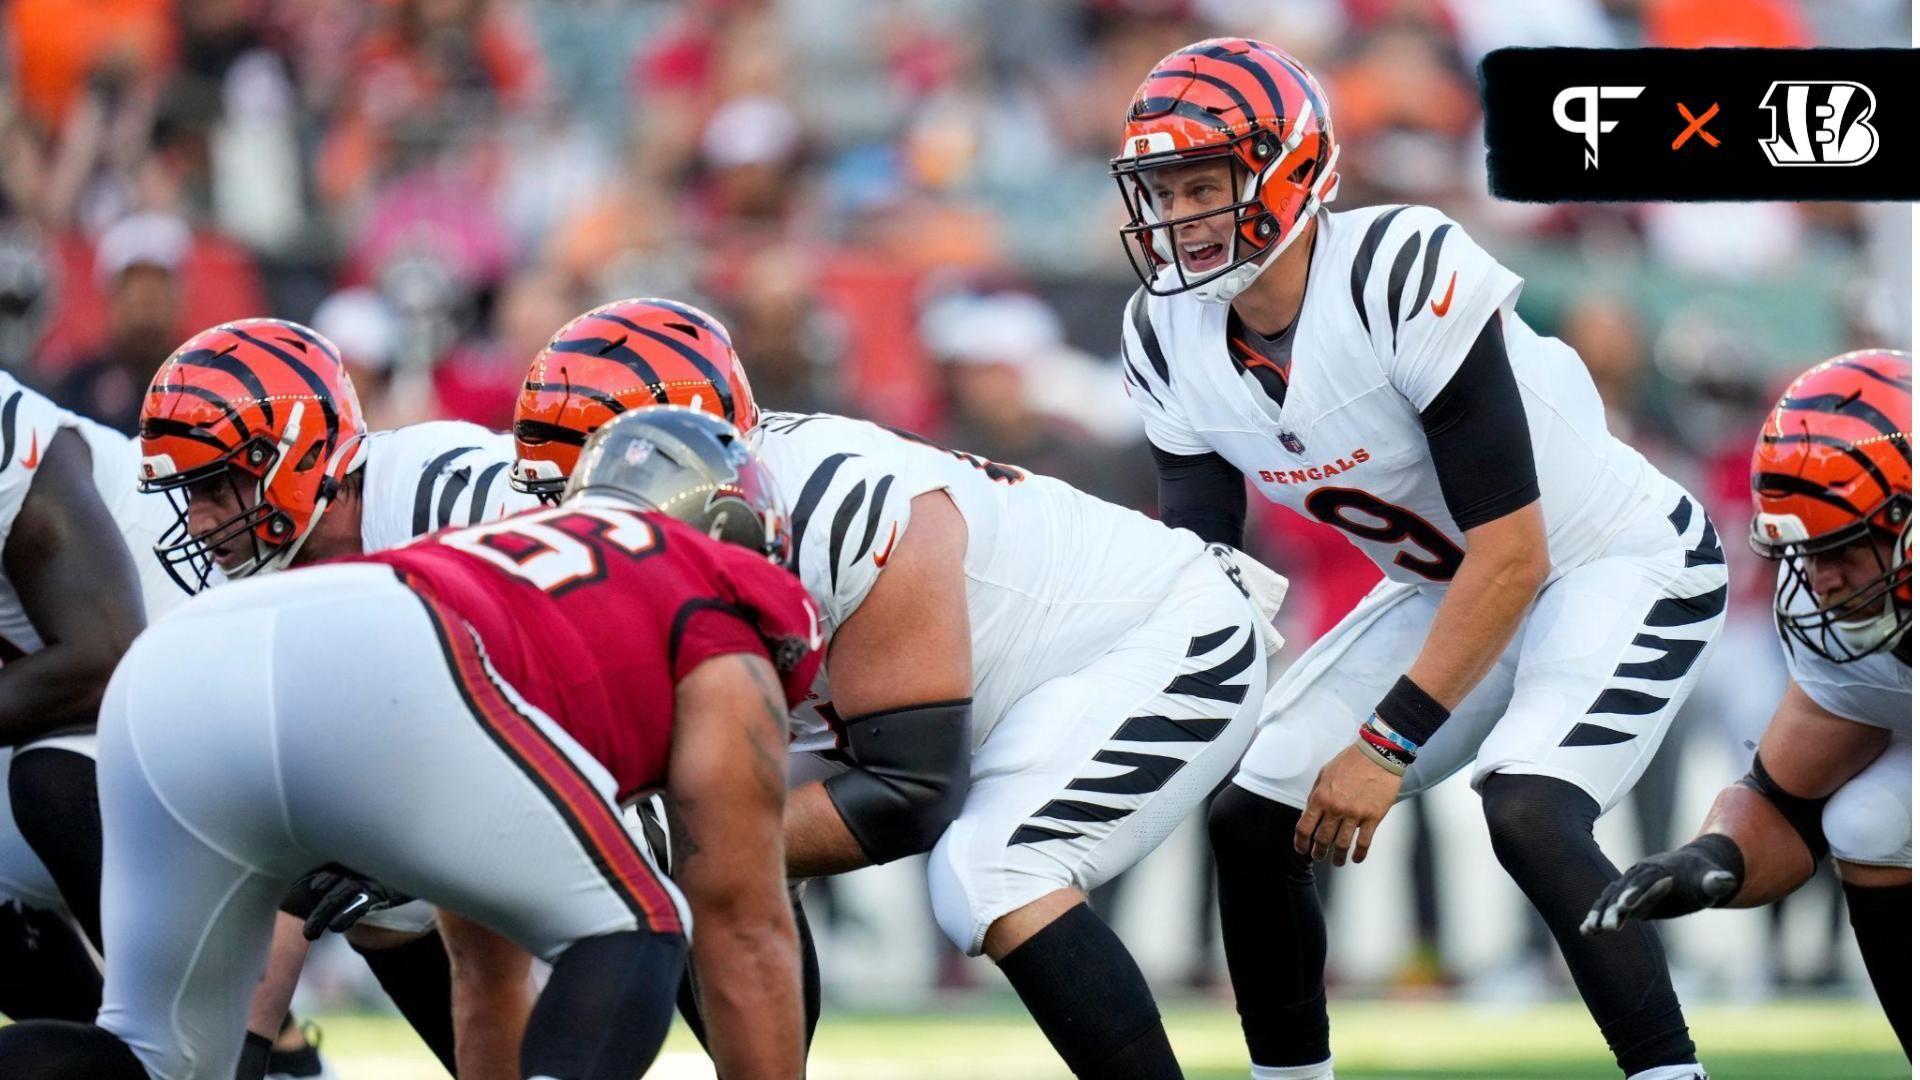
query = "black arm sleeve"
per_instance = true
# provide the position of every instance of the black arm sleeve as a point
(1477, 433)
(1205, 493)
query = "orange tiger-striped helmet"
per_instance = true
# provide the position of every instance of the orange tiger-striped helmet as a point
(257, 403)
(1246, 103)
(621, 356)
(1834, 467)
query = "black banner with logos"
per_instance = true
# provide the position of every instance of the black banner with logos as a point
(1575, 125)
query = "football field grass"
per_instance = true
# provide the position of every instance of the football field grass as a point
(1372, 1041)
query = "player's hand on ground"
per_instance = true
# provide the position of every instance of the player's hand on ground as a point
(1350, 796)
(340, 899)
(1664, 886)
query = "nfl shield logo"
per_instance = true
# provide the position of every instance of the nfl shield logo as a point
(1292, 442)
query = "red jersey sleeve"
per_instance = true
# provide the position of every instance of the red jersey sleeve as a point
(762, 610)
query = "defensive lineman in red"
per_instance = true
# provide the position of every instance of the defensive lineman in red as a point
(510, 682)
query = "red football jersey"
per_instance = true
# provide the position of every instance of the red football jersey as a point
(593, 612)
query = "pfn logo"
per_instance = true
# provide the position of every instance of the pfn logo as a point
(1589, 125)
(1825, 123)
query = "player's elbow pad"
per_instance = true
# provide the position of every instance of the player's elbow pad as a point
(909, 777)
(1802, 814)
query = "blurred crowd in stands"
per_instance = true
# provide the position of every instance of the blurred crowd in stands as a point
(900, 207)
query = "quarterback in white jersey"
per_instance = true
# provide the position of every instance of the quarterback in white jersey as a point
(1548, 593)
(253, 429)
(1833, 503)
(73, 595)
(1032, 685)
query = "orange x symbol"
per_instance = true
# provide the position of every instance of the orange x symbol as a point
(1697, 125)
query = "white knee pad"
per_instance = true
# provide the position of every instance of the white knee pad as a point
(1870, 821)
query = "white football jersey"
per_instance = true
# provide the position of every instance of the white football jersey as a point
(1054, 576)
(1395, 297)
(28, 422)
(429, 476)
(1875, 690)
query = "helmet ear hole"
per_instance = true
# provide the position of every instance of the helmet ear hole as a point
(309, 459)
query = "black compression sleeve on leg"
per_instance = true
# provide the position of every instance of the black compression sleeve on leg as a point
(1089, 998)
(46, 971)
(419, 978)
(1882, 920)
(56, 804)
(1542, 832)
(1273, 928)
(607, 1007)
(64, 1050)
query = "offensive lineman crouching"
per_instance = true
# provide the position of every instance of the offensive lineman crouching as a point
(474, 761)
(1833, 504)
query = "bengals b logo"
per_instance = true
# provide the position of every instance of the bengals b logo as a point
(1140, 145)
(1820, 123)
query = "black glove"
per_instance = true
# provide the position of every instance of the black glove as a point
(1703, 874)
(334, 898)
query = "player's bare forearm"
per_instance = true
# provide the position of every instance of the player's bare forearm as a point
(492, 998)
(1776, 862)
(727, 790)
(818, 841)
(747, 962)
(274, 994)
(1505, 564)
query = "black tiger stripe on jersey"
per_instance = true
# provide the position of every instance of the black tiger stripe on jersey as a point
(1429, 268)
(1708, 550)
(810, 495)
(457, 482)
(1397, 284)
(9, 416)
(423, 493)
(1363, 262)
(1150, 341)
(874, 506)
(329, 411)
(483, 487)
(1134, 378)
(1681, 516)
(842, 518)
(224, 361)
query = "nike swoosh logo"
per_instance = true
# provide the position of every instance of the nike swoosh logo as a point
(1441, 305)
(33, 452)
(880, 557)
